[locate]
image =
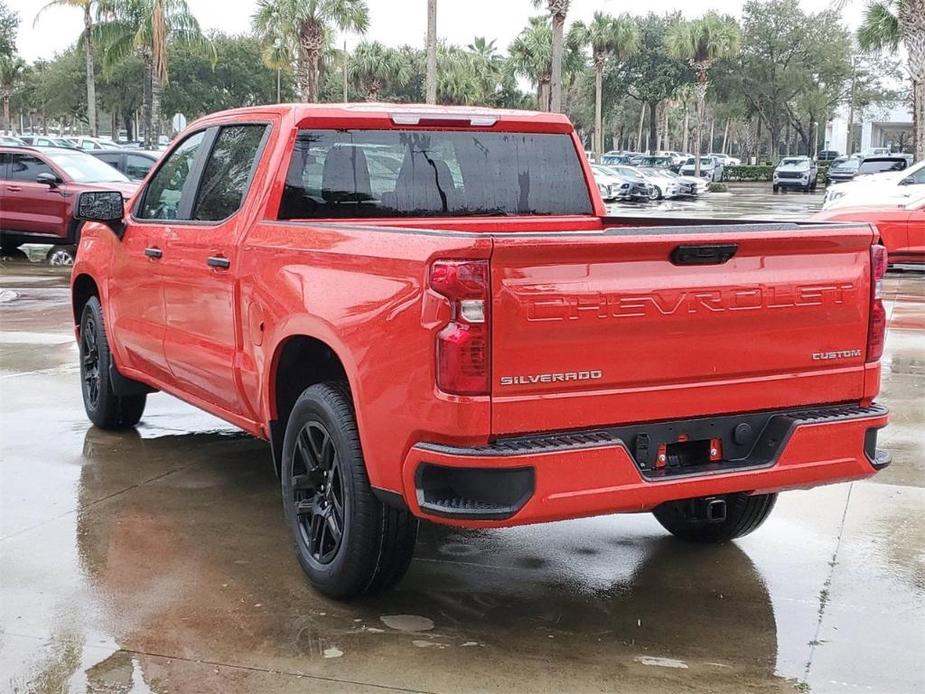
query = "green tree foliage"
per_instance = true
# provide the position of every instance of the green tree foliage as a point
(9, 23)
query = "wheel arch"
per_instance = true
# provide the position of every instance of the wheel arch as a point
(298, 361)
(83, 288)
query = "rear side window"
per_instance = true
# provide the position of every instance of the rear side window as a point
(162, 198)
(228, 172)
(396, 173)
(114, 160)
(136, 166)
(25, 167)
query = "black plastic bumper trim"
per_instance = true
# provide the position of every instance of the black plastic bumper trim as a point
(757, 445)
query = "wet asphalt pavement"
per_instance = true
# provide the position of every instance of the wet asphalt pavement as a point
(157, 560)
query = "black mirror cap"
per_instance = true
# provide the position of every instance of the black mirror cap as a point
(49, 179)
(105, 206)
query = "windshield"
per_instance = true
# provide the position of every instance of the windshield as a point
(794, 162)
(413, 173)
(873, 166)
(84, 168)
(657, 161)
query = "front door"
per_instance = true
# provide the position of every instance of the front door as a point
(30, 207)
(203, 339)
(136, 284)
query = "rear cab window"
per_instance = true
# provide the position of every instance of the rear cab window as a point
(432, 173)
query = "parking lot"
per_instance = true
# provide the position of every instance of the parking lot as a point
(158, 560)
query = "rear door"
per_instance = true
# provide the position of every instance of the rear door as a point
(200, 263)
(616, 326)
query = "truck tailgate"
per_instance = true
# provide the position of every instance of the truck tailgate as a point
(606, 327)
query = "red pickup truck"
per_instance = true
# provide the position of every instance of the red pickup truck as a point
(428, 314)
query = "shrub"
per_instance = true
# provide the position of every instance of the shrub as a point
(747, 172)
(717, 188)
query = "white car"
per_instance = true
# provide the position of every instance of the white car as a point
(659, 186)
(795, 172)
(884, 188)
(614, 186)
(710, 168)
(725, 159)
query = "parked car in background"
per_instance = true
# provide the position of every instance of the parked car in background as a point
(842, 169)
(11, 140)
(89, 144)
(39, 188)
(134, 163)
(618, 186)
(725, 159)
(901, 227)
(644, 184)
(46, 141)
(795, 172)
(828, 155)
(615, 158)
(890, 187)
(687, 186)
(883, 164)
(711, 169)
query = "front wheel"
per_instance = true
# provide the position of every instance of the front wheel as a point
(346, 540)
(655, 193)
(103, 407)
(695, 521)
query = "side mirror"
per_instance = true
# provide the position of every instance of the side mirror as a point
(104, 206)
(907, 181)
(48, 179)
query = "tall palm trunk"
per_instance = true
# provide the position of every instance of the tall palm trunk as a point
(6, 111)
(700, 89)
(555, 79)
(687, 126)
(146, 99)
(912, 30)
(652, 141)
(598, 145)
(91, 76)
(430, 78)
(311, 46)
(642, 120)
(157, 119)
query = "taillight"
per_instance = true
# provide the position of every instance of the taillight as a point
(876, 333)
(463, 346)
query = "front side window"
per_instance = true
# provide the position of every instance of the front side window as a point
(165, 191)
(403, 173)
(228, 172)
(26, 167)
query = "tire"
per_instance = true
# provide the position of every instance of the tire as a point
(346, 540)
(744, 514)
(775, 188)
(655, 193)
(62, 256)
(12, 251)
(103, 407)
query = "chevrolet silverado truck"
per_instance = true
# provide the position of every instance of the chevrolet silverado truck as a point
(429, 315)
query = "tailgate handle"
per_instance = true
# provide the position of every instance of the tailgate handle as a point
(703, 254)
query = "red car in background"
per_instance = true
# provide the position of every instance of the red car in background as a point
(902, 227)
(38, 191)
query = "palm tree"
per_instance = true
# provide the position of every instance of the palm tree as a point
(609, 38)
(887, 23)
(374, 66)
(306, 27)
(430, 76)
(146, 27)
(702, 42)
(530, 56)
(487, 66)
(558, 9)
(86, 6)
(11, 70)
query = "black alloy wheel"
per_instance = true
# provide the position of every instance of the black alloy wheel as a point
(318, 493)
(90, 362)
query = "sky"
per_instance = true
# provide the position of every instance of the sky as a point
(393, 22)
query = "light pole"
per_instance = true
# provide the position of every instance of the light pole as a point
(815, 139)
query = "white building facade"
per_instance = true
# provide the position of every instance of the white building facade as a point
(889, 126)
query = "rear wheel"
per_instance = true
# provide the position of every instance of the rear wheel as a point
(11, 251)
(62, 256)
(103, 407)
(347, 541)
(655, 193)
(692, 520)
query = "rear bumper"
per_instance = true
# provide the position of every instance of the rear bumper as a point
(554, 477)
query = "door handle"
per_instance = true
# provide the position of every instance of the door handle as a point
(219, 262)
(15, 189)
(154, 252)
(703, 254)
